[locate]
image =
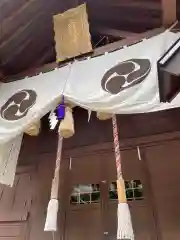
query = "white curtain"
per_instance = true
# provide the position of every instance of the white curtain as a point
(90, 84)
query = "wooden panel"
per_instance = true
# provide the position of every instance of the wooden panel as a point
(164, 166)
(15, 231)
(10, 230)
(87, 169)
(131, 165)
(169, 12)
(15, 206)
(84, 223)
(112, 220)
(141, 218)
(141, 210)
(41, 197)
(15, 202)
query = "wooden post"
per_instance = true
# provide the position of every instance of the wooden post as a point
(169, 14)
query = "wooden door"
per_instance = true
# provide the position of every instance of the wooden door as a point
(83, 217)
(98, 219)
(13, 231)
(15, 205)
(84, 222)
(163, 161)
(138, 194)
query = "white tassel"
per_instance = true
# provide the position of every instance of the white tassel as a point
(125, 229)
(51, 218)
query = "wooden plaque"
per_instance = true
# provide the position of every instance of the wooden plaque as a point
(72, 37)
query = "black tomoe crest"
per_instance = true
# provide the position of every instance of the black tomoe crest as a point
(18, 105)
(125, 75)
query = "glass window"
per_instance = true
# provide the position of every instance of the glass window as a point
(134, 190)
(85, 194)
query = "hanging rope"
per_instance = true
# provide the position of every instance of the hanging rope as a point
(52, 211)
(117, 148)
(124, 229)
(55, 183)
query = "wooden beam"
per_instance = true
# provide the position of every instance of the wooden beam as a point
(98, 51)
(130, 4)
(47, 54)
(30, 13)
(114, 32)
(30, 26)
(128, 41)
(169, 14)
(19, 17)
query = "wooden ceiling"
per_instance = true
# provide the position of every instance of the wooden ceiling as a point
(26, 28)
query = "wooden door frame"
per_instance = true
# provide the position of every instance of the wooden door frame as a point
(150, 194)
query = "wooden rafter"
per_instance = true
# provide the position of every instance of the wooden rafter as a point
(97, 52)
(169, 14)
(45, 56)
(150, 5)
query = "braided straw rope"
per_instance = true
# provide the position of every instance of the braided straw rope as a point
(55, 183)
(53, 205)
(117, 148)
(120, 182)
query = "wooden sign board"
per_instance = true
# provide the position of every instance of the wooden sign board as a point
(169, 73)
(72, 37)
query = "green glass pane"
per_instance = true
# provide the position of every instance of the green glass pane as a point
(138, 194)
(114, 185)
(113, 195)
(95, 197)
(73, 200)
(133, 184)
(84, 198)
(126, 184)
(138, 183)
(96, 187)
(129, 194)
(133, 190)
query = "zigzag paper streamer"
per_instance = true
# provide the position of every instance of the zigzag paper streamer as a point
(53, 121)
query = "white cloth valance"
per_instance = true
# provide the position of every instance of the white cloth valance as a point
(121, 82)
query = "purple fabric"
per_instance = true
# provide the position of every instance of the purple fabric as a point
(61, 111)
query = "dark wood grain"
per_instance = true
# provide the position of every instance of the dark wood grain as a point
(21, 20)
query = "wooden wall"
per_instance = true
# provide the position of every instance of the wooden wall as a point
(23, 208)
(97, 132)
